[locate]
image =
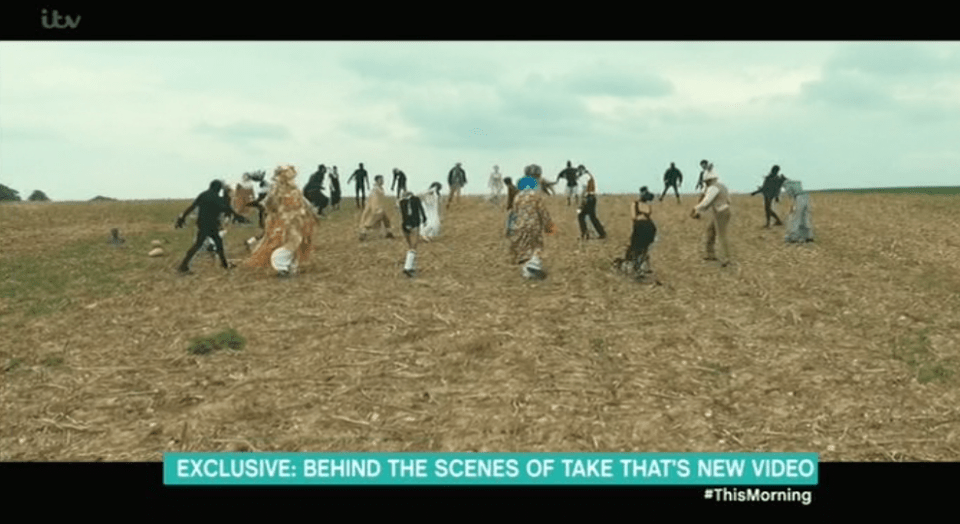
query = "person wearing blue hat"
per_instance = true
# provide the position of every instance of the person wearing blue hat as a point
(531, 222)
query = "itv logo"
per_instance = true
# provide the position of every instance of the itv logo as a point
(69, 22)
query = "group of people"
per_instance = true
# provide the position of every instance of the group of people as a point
(288, 215)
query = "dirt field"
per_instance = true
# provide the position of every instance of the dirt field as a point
(847, 347)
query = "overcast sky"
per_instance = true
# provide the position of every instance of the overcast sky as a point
(148, 120)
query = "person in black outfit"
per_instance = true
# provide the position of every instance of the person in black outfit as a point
(210, 206)
(363, 182)
(400, 181)
(313, 190)
(589, 208)
(571, 174)
(412, 216)
(334, 189)
(672, 178)
(771, 192)
(644, 233)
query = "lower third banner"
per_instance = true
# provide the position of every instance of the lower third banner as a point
(490, 469)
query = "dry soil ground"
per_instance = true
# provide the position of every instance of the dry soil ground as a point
(847, 346)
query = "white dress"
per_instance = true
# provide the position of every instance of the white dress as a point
(431, 207)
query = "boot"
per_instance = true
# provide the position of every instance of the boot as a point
(533, 269)
(410, 267)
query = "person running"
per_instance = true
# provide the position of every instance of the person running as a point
(313, 190)
(637, 257)
(334, 189)
(672, 178)
(431, 206)
(210, 206)
(363, 182)
(589, 207)
(532, 221)
(496, 185)
(571, 174)
(511, 196)
(412, 216)
(375, 213)
(400, 181)
(457, 178)
(771, 191)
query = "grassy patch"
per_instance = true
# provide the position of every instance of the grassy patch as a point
(227, 339)
(915, 351)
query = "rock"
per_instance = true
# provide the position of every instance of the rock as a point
(156, 243)
(156, 252)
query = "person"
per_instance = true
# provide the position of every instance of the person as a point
(334, 188)
(115, 238)
(799, 222)
(244, 193)
(589, 207)
(362, 181)
(375, 213)
(771, 191)
(209, 245)
(209, 205)
(287, 240)
(532, 221)
(644, 233)
(400, 181)
(511, 196)
(313, 190)
(716, 198)
(259, 178)
(672, 178)
(412, 216)
(703, 168)
(571, 174)
(431, 206)
(457, 178)
(496, 185)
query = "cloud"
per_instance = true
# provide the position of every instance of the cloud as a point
(420, 65)
(895, 60)
(244, 131)
(602, 81)
(843, 90)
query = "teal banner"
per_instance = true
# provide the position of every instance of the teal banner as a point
(490, 469)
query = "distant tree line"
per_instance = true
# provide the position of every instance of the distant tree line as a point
(8, 194)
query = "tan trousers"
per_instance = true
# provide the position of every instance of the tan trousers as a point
(717, 231)
(454, 193)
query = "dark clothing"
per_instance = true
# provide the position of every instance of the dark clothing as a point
(589, 209)
(313, 192)
(571, 174)
(412, 214)
(511, 194)
(400, 181)
(673, 176)
(457, 177)
(644, 233)
(334, 192)
(770, 191)
(362, 182)
(211, 206)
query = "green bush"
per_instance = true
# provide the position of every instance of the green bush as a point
(228, 338)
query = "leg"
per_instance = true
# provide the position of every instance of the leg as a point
(676, 191)
(223, 258)
(596, 224)
(582, 219)
(201, 237)
(723, 220)
(711, 240)
(666, 187)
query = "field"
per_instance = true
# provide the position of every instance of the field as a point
(846, 346)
